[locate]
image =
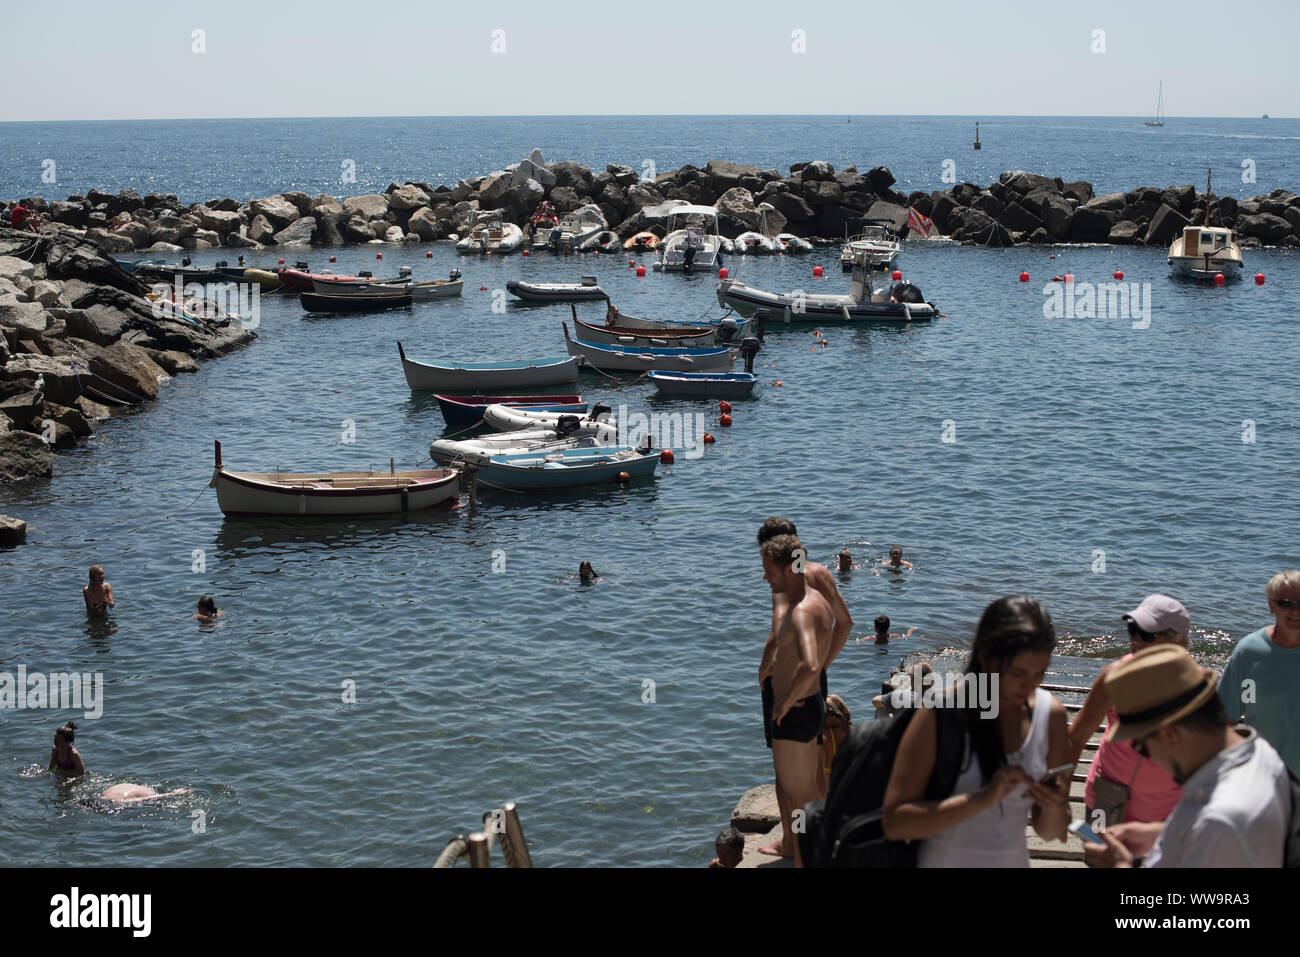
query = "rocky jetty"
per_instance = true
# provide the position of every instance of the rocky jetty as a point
(814, 201)
(79, 342)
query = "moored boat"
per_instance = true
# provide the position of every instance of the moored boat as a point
(420, 291)
(791, 243)
(479, 376)
(628, 336)
(692, 243)
(491, 234)
(577, 227)
(616, 358)
(506, 418)
(465, 412)
(1204, 252)
(642, 242)
(378, 297)
(565, 468)
(556, 291)
(728, 328)
(877, 246)
(605, 241)
(331, 493)
(721, 384)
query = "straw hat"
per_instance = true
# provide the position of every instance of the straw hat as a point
(1156, 687)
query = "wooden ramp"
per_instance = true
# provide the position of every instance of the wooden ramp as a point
(757, 817)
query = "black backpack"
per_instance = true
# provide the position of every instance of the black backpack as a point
(845, 828)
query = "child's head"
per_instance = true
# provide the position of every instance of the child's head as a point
(882, 624)
(66, 734)
(896, 553)
(96, 574)
(207, 606)
(730, 846)
(585, 571)
(846, 558)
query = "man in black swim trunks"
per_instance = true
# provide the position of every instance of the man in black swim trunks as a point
(803, 637)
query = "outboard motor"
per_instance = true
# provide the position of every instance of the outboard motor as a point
(750, 347)
(566, 425)
(404, 271)
(366, 274)
(646, 444)
(454, 274)
(598, 410)
(301, 266)
(727, 329)
(904, 291)
(688, 256)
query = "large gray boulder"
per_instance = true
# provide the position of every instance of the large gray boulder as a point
(880, 179)
(99, 323)
(370, 206)
(823, 192)
(260, 230)
(793, 207)
(279, 212)
(329, 222)
(1021, 182)
(13, 532)
(407, 199)
(895, 214)
(573, 175)
(1016, 217)
(527, 170)
(1125, 233)
(1056, 214)
(724, 176)
(12, 267)
(325, 201)
(1165, 225)
(639, 196)
(126, 371)
(625, 176)
(23, 456)
(423, 223)
(220, 221)
(298, 233)
(816, 171)
(739, 204)
(1091, 225)
(1265, 227)
(1111, 202)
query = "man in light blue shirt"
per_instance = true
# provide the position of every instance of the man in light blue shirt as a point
(1260, 684)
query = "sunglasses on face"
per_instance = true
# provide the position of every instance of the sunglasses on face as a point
(1135, 632)
(1289, 604)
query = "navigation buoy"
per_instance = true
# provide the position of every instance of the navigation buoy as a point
(624, 478)
(640, 271)
(977, 136)
(1119, 274)
(1068, 277)
(725, 421)
(896, 275)
(281, 260)
(817, 271)
(724, 406)
(429, 254)
(525, 253)
(1259, 279)
(666, 456)
(482, 288)
(1218, 279)
(1024, 277)
(708, 439)
(722, 273)
(379, 255)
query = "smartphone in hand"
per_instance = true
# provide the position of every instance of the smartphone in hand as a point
(1050, 776)
(1082, 831)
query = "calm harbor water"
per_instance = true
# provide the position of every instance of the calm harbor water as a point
(475, 687)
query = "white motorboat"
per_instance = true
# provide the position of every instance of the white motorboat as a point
(899, 302)
(491, 234)
(1203, 252)
(877, 245)
(577, 227)
(692, 242)
(759, 242)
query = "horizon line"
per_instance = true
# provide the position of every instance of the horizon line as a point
(441, 116)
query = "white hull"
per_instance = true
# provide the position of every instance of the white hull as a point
(333, 494)
(495, 379)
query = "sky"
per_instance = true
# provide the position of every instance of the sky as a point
(142, 59)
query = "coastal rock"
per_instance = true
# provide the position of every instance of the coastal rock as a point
(1080, 192)
(639, 196)
(69, 418)
(492, 194)
(23, 316)
(1090, 225)
(739, 205)
(92, 410)
(23, 456)
(378, 228)
(625, 176)
(770, 220)
(394, 234)
(225, 204)
(357, 230)
(1111, 202)
(202, 239)
(1180, 198)
(48, 293)
(1016, 217)
(240, 240)
(12, 267)
(1165, 225)
(172, 362)
(880, 179)
(965, 193)
(260, 230)
(921, 202)
(973, 226)
(138, 233)
(423, 223)
(527, 170)
(70, 214)
(298, 233)
(1039, 237)
(756, 812)
(1056, 214)
(220, 220)
(1021, 182)
(574, 175)
(329, 226)
(816, 171)
(13, 532)
(369, 207)
(99, 323)
(523, 198)
(125, 370)
(823, 192)
(407, 199)
(73, 258)
(300, 200)
(895, 215)
(1125, 233)
(945, 207)
(986, 202)
(833, 220)
(277, 210)
(724, 176)
(325, 201)
(1266, 227)
(18, 402)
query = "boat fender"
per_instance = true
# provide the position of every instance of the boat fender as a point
(406, 501)
(786, 315)
(844, 311)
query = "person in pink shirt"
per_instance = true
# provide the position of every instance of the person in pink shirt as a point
(1122, 785)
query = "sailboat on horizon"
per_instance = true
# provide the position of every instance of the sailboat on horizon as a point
(1160, 108)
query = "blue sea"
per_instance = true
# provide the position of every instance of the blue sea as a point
(1088, 463)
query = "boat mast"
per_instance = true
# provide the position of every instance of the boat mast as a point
(1207, 197)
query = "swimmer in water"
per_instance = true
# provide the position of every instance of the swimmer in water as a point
(896, 562)
(586, 574)
(99, 593)
(847, 563)
(63, 756)
(208, 611)
(137, 793)
(882, 635)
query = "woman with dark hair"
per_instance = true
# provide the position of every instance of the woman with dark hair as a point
(64, 758)
(1013, 733)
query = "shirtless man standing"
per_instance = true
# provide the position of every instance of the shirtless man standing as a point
(819, 577)
(803, 639)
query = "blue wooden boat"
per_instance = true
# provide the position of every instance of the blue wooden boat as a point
(464, 412)
(565, 468)
(731, 385)
(614, 358)
(473, 377)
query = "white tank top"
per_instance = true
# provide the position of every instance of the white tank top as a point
(994, 837)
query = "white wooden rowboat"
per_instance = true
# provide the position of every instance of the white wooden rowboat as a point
(471, 377)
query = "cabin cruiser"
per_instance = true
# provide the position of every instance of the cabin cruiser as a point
(877, 242)
(692, 243)
(1203, 252)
